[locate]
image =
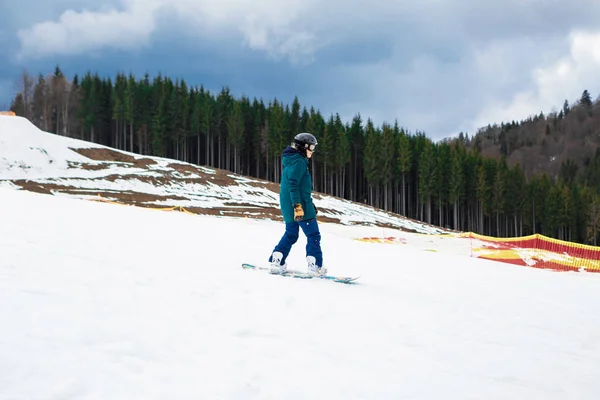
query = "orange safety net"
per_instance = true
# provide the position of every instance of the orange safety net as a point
(537, 251)
(388, 240)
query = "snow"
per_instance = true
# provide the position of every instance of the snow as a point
(102, 301)
(27, 152)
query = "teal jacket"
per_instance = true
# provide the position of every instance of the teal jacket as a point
(296, 185)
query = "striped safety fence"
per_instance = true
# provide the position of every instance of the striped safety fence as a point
(536, 251)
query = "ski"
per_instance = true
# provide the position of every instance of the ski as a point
(303, 275)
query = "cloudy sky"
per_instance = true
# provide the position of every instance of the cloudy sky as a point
(438, 66)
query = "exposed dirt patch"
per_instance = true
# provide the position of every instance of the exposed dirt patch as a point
(88, 167)
(125, 197)
(198, 174)
(220, 178)
(137, 198)
(144, 162)
(98, 154)
(241, 210)
(257, 213)
(164, 180)
(272, 186)
(185, 168)
(112, 177)
(33, 187)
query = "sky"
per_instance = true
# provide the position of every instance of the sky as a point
(435, 66)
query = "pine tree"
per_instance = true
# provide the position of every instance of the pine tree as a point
(593, 219)
(119, 112)
(457, 183)
(207, 124)
(500, 188)
(404, 165)
(185, 116)
(159, 123)
(277, 136)
(371, 160)
(586, 99)
(388, 163)
(131, 90)
(356, 138)
(427, 177)
(60, 104)
(342, 154)
(568, 171)
(90, 107)
(517, 197)
(443, 163)
(327, 154)
(294, 121)
(236, 130)
(565, 109)
(485, 192)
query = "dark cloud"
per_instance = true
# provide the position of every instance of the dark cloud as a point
(436, 66)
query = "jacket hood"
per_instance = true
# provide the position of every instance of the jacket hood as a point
(290, 151)
(291, 155)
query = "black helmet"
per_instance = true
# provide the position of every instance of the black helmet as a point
(305, 141)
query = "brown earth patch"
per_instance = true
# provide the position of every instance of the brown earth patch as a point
(242, 210)
(198, 175)
(144, 162)
(111, 178)
(162, 181)
(186, 168)
(125, 197)
(272, 186)
(220, 178)
(33, 186)
(236, 212)
(100, 154)
(88, 167)
(137, 198)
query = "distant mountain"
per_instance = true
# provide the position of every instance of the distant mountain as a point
(563, 144)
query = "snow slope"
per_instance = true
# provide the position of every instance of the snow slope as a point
(102, 301)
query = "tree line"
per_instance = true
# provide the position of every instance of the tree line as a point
(448, 183)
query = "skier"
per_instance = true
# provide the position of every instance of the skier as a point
(297, 208)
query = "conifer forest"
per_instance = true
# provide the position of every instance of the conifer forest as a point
(464, 183)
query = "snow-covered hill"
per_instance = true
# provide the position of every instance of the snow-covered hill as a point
(39, 161)
(101, 301)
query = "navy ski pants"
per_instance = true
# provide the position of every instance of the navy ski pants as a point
(290, 237)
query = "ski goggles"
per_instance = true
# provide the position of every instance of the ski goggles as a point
(311, 147)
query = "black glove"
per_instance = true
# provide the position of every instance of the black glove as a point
(316, 209)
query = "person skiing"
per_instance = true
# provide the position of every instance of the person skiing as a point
(297, 208)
